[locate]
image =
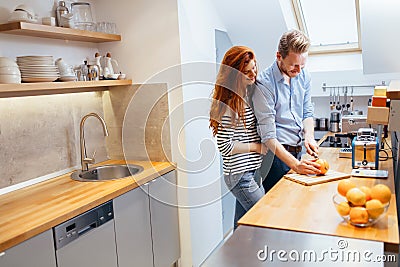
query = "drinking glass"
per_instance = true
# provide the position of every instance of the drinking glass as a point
(82, 15)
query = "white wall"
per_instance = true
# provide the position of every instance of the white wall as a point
(254, 23)
(380, 39)
(150, 36)
(197, 23)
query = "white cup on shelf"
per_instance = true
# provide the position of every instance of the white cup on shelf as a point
(50, 21)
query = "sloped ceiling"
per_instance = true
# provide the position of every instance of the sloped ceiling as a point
(257, 24)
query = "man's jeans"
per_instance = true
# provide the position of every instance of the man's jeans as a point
(273, 169)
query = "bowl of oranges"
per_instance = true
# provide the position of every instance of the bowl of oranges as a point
(361, 206)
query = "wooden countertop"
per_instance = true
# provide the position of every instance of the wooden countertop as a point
(292, 206)
(37, 208)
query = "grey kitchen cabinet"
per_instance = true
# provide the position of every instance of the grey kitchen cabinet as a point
(37, 251)
(164, 219)
(146, 224)
(132, 228)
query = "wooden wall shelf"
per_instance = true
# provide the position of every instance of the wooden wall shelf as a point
(44, 31)
(50, 88)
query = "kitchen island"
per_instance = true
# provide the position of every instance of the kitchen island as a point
(292, 206)
(299, 213)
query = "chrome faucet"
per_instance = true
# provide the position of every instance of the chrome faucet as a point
(85, 161)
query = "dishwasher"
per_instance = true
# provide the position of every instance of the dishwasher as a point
(87, 240)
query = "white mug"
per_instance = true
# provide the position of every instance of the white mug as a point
(64, 68)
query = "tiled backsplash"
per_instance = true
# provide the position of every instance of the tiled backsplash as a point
(138, 120)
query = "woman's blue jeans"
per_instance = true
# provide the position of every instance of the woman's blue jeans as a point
(246, 188)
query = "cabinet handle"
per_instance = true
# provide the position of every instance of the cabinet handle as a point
(2, 253)
(149, 182)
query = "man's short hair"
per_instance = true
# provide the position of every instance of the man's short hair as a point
(293, 41)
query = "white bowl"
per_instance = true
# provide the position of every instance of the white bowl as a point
(27, 8)
(365, 221)
(4, 78)
(9, 70)
(19, 15)
(7, 62)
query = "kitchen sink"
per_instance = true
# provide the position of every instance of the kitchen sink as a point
(106, 172)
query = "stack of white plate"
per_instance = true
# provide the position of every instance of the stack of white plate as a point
(38, 69)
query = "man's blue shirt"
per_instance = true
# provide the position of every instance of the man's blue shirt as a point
(280, 108)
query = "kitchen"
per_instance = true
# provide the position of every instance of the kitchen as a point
(149, 47)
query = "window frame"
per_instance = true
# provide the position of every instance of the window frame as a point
(328, 49)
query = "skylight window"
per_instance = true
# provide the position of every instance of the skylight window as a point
(332, 26)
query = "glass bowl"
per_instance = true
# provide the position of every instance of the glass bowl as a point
(358, 216)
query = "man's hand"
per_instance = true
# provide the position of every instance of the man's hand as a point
(309, 141)
(307, 167)
(311, 146)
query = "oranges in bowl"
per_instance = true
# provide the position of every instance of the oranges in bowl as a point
(361, 206)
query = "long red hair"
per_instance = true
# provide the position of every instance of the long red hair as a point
(229, 88)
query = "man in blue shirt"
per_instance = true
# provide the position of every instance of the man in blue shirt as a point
(282, 105)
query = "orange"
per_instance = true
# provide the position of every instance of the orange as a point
(356, 197)
(367, 192)
(323, 166)
(343, 208)
(381, 192)
(344, 186)
(358, 215)
(374, 208)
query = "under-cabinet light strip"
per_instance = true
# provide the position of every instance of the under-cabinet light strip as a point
(21, 185)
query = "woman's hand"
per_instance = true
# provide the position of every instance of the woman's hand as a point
(260, 148)
(263, 149)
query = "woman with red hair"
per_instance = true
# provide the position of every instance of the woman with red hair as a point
(234, 124)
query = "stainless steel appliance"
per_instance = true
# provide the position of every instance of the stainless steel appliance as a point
(365, 149)
(323, 124)
(88, 239)
(316, 124)
(334, 122)
(351, 123)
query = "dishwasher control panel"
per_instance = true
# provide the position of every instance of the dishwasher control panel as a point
(70, 230)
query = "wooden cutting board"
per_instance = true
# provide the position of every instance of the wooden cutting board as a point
(315, 179)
